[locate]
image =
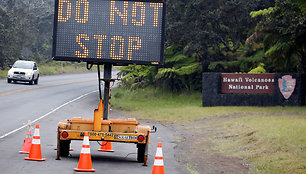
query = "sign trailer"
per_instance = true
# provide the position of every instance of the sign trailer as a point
(109, 32)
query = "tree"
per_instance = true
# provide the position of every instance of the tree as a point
(205, 36)
(25, 24)
(8, 35)
(214, 31)
(283, 32)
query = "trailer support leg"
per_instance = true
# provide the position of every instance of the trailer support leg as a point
(146, 155)
(58, 145)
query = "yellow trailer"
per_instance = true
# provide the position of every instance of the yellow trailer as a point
(111, 130)
(101, 128)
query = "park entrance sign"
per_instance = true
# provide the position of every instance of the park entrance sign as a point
(232, 83)
(109, 31)
(268, 89)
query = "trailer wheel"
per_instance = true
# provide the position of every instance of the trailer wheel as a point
(141, 152)
(64, 147)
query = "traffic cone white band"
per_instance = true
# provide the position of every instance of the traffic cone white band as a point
(28, 135)
(36, 132)
(158, 162)
(159, 152)
(35, 151)
(85, 150)
(35, 141)
(86, 140)
(85, 164)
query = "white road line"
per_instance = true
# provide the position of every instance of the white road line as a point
(47, 114)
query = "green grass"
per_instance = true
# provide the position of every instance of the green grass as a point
(62, 67)
(3, 74)
(270, 139)
(274, 144)
(159, 105)
(190, 169)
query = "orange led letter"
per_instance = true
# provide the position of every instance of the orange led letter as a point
(133, 46)
(156, 6)
(122, 15)
(60, 17)
(113, 46)
(142, 13)
(78, 40)
(100, 39)
(78, 11)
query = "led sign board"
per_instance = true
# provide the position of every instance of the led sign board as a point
(113, 31)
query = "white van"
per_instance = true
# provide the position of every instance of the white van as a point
(25, 71)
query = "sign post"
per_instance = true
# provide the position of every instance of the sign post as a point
(107, 80)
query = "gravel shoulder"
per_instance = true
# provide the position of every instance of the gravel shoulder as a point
(195, 148)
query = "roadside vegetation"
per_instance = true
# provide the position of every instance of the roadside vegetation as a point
(62, 67)
(53, 68)
(271, 143)
(269, 139)
(3, 74)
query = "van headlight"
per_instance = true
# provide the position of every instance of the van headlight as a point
(29, 73)
(10, 73)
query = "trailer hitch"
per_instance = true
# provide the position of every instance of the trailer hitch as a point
(154, 129)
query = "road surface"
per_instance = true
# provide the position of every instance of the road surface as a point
(61, 97)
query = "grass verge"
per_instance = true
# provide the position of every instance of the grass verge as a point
(56, 68)
(272, 144)
(270, 139)
(3, 74)
(62, 67)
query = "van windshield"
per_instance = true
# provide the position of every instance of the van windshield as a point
(23, 65)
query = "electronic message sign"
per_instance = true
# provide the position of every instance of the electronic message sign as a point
(109, 31)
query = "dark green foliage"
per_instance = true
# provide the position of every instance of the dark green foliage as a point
(283, 32)
(25, 24)
(137, 75)
(8, 35)
(213, 31)
(204, 36)
(182, 72)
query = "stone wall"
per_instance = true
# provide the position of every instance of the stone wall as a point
(212, 96)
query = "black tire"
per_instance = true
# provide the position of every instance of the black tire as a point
(141, 152)
(9, 80)
(31, 81)
(64, 147)
(36, 81)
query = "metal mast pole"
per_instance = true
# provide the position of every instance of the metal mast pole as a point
(107, 80)
(99, 80)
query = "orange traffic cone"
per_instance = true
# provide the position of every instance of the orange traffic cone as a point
(35, 151)
(158, 167)
(85, 164)
(27, 141)
(106, 146)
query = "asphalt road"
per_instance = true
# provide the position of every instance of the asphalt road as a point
(58, 98)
